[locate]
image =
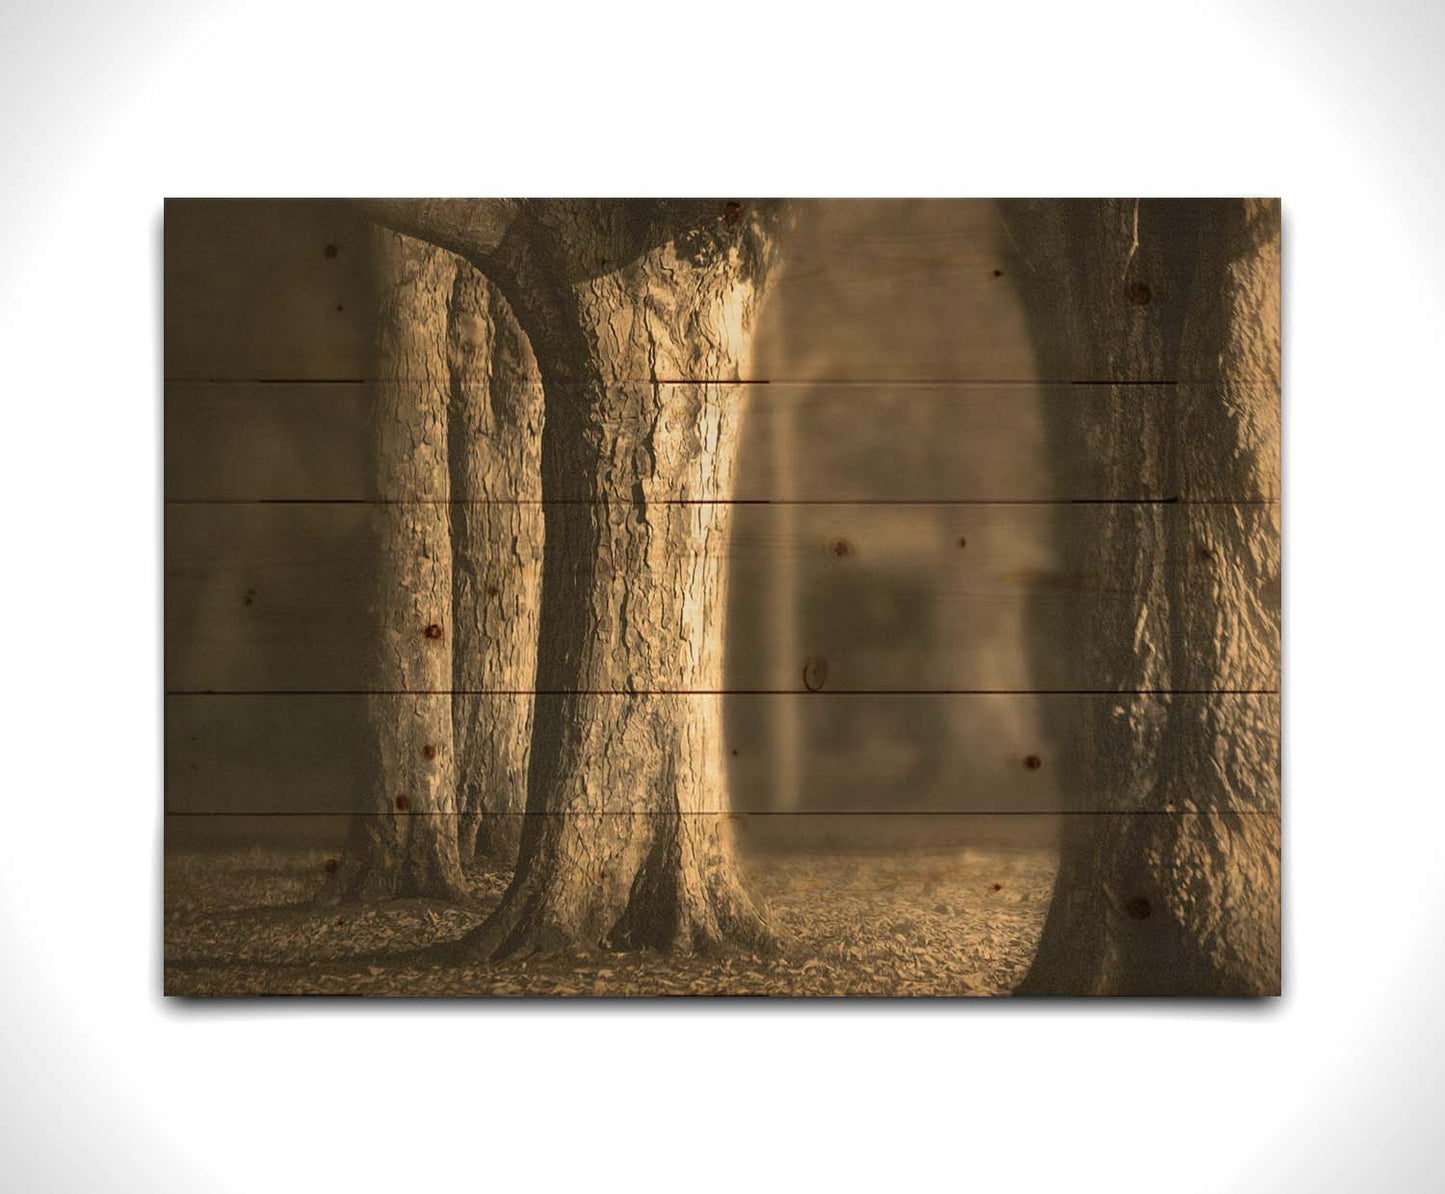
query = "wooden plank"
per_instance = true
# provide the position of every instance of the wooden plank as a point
(880, 905)
(198, 835)
(267, 289)
(897, 598)
(956, 442)
(257, 440)
(869, 290)
(1009, 754)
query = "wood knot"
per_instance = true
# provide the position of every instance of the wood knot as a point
(998, 273)
(998, 887)
(962, 541)
(840, 548)
(248, 597)
(330, 866)
(1140, 294)
(815, 672)
(493, 591)
(402, 803)
(1138, 908)
(1206, 553)
(331, 251)
(1033, 762)
(433, 631)
(428, 751)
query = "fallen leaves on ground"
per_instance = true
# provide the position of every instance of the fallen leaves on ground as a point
(949, 922)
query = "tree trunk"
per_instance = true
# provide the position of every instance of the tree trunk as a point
(405, 844)
(640, 315)
(495, 445)
(1169, 880)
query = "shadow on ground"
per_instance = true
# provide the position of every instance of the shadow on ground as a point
(958, 921)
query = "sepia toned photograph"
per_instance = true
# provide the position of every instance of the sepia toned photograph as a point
(764, 598)
(722, 597)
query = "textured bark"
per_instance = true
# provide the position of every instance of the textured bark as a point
(406, 845)
(640, 315)
(1169, 881)
(495, 445)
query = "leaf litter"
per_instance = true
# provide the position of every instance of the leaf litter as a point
(921, 923)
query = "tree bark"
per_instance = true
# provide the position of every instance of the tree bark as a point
(1169, 881)
(641, 316)
(497, 534)
(405, 843)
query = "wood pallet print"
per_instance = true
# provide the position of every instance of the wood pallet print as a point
(722, 597)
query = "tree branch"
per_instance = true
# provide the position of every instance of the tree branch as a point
(471, 228)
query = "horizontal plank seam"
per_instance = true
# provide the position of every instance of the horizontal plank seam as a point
(808, 692)
(1165, 501)
(1140, 812)
(837, 382)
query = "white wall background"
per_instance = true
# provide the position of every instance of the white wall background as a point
(105, 108)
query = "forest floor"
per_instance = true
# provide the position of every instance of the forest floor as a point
(959, 921)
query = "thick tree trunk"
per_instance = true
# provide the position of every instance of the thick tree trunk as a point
(1169, 880)
(640, 315)
(495, 446)
(405, 844)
